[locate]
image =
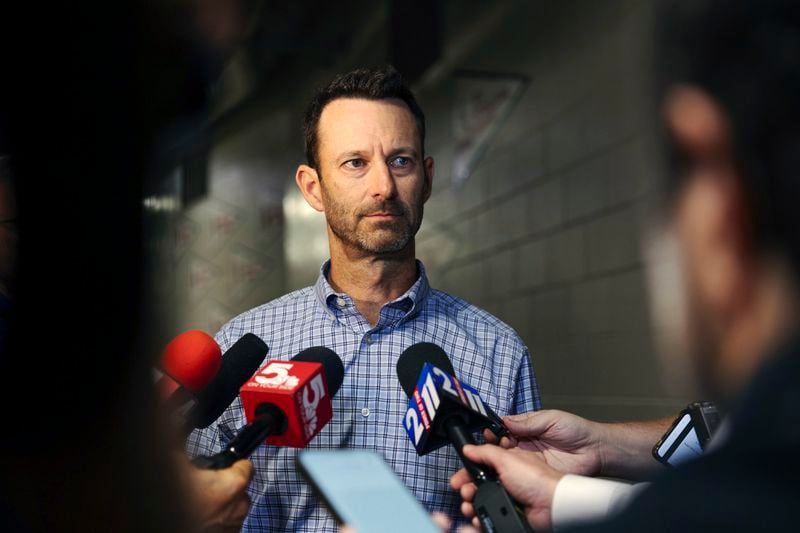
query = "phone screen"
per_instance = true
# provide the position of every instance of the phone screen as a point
(364, 492)
(681, 444)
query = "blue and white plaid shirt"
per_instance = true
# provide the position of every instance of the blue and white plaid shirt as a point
(370, 406)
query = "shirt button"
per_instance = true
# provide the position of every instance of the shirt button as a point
(340, 302)
(365, 412)
(368, 338)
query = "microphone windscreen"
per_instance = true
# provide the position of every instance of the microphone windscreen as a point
(192, 359)
(334, 369)
(239, 363)
(409, 365)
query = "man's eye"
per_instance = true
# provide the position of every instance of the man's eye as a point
(400, 162)
(354, 163)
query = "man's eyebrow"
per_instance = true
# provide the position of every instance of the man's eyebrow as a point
(349, 155)
(410, 150)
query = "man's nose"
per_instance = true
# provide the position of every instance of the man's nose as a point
(382, 184)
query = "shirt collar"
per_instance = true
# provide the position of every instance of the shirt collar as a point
(411, 302)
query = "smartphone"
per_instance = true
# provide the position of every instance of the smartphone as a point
(362, 491)
(689, 434)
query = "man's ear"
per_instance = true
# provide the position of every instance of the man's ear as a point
(307, 180)
(428, 185)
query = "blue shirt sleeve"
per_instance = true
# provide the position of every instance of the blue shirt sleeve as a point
(526, 395)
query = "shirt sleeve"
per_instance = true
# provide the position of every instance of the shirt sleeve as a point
(526, 396)
(580, 499)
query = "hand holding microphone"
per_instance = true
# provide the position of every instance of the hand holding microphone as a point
(217, 498)
(531, 481)
(442, 410)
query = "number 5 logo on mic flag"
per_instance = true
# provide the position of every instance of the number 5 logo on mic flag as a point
(276, 374)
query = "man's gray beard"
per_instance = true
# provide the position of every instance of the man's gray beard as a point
(362, 242)
(334, 215)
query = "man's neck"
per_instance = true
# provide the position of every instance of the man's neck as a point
(370, 280)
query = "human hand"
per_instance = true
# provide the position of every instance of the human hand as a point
(220, 496)
(527, 478)
(566, 442)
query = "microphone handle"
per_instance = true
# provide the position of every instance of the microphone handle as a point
(498, 427)
(269, 420)
(459, 436)
(497, 512)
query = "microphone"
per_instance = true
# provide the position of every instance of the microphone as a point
(238, 364)
(409, 369)
(286, 403)
(188, 364)
(297, 392)
(443, 410)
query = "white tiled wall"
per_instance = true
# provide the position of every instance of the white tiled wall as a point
(546, 233)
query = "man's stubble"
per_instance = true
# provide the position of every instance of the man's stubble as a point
(386, 237)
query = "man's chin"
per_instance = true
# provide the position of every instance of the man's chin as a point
(389, 243)
(389, 248)
(387, 224)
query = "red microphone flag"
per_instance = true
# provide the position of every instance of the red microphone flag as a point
(297, 388)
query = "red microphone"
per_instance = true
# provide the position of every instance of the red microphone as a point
(286, 403)
(300, 389)
(190, 361)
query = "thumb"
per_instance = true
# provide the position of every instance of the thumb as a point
(243, 468)
(487, 454)
(530, 424)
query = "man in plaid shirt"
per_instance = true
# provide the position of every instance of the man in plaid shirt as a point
(368, 173)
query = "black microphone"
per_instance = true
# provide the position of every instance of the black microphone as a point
(239, 363)
(443, 410)
(289, 404)
(409, 369)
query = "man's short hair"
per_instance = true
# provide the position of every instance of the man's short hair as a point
(371, 84)
(746, 55)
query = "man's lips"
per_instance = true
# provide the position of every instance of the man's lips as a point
(382, 215)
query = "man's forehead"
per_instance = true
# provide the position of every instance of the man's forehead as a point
(345, 121)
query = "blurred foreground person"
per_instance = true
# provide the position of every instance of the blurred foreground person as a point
(81, 448)
(729, 76)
